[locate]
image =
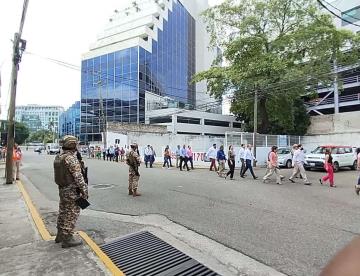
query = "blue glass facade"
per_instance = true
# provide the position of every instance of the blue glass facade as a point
(69, 121)
(115, 84)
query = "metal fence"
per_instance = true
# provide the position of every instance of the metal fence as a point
(262, 140)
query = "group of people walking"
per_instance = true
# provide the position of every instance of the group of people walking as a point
(246, 158)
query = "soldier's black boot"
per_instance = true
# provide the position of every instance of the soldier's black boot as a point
(70, 241)
(59, 237)
(130, 192)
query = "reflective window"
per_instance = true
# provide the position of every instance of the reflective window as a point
(352, 16)
(121, 78)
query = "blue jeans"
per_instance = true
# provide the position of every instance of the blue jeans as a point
(249, 167)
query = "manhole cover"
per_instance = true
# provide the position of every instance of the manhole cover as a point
(102, 186)
(143, 254)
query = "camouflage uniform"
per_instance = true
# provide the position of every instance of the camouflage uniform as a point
(71, 182)
(133, 160)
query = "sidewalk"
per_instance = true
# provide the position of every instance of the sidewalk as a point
(24, 252)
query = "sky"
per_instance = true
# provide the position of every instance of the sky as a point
(57, 29)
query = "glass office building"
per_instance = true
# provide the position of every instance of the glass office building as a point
(69, 122)
(113, 85)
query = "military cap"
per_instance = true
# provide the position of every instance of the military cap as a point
(69, 142)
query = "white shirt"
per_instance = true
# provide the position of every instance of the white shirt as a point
(299, 157)
(148, 151)
(212, 153)
(241, 153)
(248, 155)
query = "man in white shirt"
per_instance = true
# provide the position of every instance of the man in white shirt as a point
(298, 164)
(242, 159)
(212, 154)
(249, 158)
(148, 153)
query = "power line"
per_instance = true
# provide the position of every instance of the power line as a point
(334, 14)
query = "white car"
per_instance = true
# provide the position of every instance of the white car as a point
(285, 157)
(343, 156)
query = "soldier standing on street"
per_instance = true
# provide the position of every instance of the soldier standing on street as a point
(70, 180)
(133, 160)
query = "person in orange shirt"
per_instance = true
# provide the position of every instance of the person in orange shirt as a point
(17, 155)
(273, 166)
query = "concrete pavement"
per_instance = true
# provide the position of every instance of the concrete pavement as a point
(292, 228)
(24, 252)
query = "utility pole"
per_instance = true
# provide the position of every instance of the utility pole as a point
(19, 46)
(336, 89)
(255, 122)
(102, 114)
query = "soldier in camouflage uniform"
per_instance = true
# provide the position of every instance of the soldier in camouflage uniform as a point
(133, 160)
(70, 180)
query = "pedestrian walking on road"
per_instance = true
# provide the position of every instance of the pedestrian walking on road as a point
(17, 156)
(231, 162)
(166, 157)
(189, 154)
(169, 156)
(133, 161)
(357, 187)
(273, 166)
(212, 154)
(148, 153)
(183, 159)
(242, 158)
(177, 153)
(329, 169)
(72, 186)
(221, 158)
(298, 162)
(152, 157)
(249, 158)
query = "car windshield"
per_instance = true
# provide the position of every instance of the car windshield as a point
(321, 150)
(283, 151)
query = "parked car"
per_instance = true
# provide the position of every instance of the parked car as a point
(38, 149)
(343, 156)
(285, 157)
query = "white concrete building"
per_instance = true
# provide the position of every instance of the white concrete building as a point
(193, 122)
(38, 117)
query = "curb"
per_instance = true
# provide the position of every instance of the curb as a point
(47, 237)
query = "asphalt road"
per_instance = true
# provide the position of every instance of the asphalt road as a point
(292, 228)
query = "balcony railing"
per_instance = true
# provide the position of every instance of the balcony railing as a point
(345, 81)
(342, 99)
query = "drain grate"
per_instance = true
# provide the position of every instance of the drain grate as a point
(145, 254)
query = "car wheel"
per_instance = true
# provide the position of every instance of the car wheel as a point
(336, 167)
(354, 166)
(288, 164)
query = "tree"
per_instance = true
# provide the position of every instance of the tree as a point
(42, 136)
(21, 132)
(282, 49)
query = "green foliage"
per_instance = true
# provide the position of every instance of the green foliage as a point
(280, 48)
(21, 131)
(43, 136)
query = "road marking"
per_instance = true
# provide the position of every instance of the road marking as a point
(102, 256)
(34, 214)
(47, 237)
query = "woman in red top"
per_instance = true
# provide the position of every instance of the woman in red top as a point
(329, 169)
